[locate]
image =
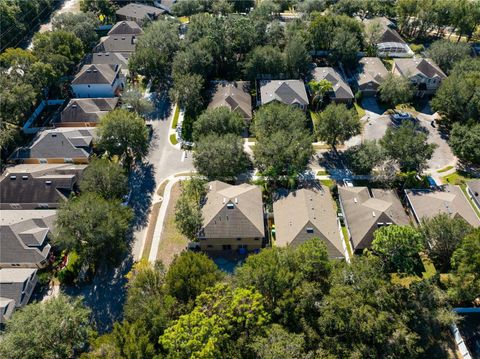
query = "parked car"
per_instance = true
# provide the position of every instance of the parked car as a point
(399, 116)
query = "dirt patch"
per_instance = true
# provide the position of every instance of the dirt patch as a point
(162, 187)
(172, 242)
(151, 230)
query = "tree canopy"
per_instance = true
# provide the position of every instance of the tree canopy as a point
(363, 158)
(57, 328)
(123, 133)
(464, 140)
(220, 157)
(93, 227)
(82, 24)
(446, 53)
(105, 178)
(337, 124)
(218, 121)
(408, 146)
(188, 214)
(396, 90)
(284, 145)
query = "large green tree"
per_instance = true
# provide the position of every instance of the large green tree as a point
(218, 121)
(56, 328)
(220, 157)
(188, 214)
(264, 60)
(93, 227)
(278, 343)
(105, 178)
(408, 146)
(458, 98)
(442, 235)
(222, 315)
(464, 140)
(398, 247)
(465, 285)
(284, 145)
(396, 90)
(189, 275)
(363, 158)
(123, 133)
(446, 53)
(61, 49)
(297, 58)
(82, 24)
(187, 92)
(336, 124)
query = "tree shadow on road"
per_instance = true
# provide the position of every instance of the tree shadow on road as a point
(142, 183)
(105, 295)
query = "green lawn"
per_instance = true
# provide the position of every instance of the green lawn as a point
(173, 139)
(347, 242)
(448, 168)
(429, 272)
(327, 183)
(322, 173)
(361, 112)
(457, 178)
(175, 117)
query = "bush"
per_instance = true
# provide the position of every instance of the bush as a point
(417, 48)
(69, 273)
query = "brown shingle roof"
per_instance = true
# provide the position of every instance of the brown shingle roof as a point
(97, 74)
(365, 209)
(341, 89)
(425, 67)
(371, 70)
(233, 212)
(305, 214)
(126, 28)
(289, 92)
(116, 43)
(449, 199)
(87, 109)
(234, 95)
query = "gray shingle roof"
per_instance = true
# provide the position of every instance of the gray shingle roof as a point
(371, 71)
(97, 74)
(126, 28)
(58, 143)
(289, 92)
(234, 95)
(448, 199)
(113, 58)
(116, 43)
(12, 281)
(341, 90)
(312, 209)
(366, 209)
(139, 11)
(425, 67)
(233, 212)
(31, 185)
(25, 240)
(7, 306)
(87, 109)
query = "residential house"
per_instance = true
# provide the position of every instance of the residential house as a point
(473, 189)
(341, 92)
(234, 95)
(126, 28)
(38, 186)
(98, 80)
(447, 199)
(17, 284)
(423, 73)
(371, 73)
(86, 112)
(389, 43)
(24, 237)
(140, 13)
(7, 306)
(289, 92)
(305, 214)
(165, 5)
(112, 58)
(367, 209)
(116, 43)
(60, 145)
(232, 218)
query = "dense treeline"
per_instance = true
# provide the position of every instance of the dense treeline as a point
(20, 18)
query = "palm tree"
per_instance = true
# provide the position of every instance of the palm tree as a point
(319, 89)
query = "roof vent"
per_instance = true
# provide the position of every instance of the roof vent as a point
(48, 183)
(95, 70)
(236, 200)
(107, 54)
(13, 177)
(89, 70)
(373, 213)
(74, 106)
(355, 199)
(223, 200)
(25, 177)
